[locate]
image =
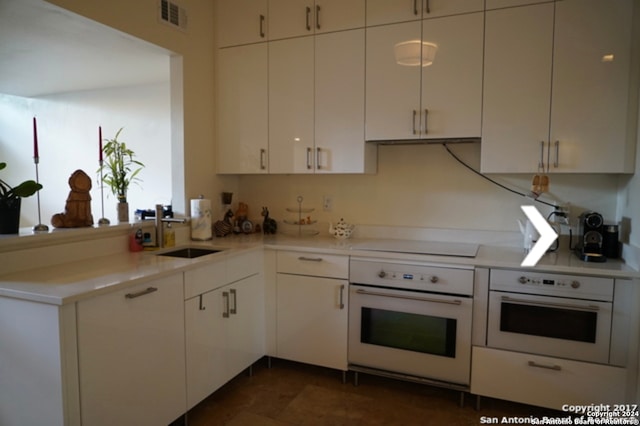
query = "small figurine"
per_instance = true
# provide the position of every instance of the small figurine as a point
(77, 210)
(269, 226)
(224, 227)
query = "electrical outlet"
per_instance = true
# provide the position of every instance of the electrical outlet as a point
(327, 203)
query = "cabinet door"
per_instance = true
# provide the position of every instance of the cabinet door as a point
(381, 12)
(452, 84)
(392, 90)
(290, 18)
(245, 333)
(205, 345)
(339, 102)
(131, 355)
(517, 87)
(291, 106)
(590, 99)
(242, 109)
(312, 320)
(338, 15)
(241, 21)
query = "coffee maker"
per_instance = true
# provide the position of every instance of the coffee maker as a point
(590, 237)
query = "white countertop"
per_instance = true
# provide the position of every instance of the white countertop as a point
(69, 282)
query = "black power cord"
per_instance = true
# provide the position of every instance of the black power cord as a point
(444, 144)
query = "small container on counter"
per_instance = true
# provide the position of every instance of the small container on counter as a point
(135, 241)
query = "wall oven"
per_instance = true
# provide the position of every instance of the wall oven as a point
(411, 321)
(550, 314)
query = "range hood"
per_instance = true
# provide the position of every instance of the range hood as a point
(441, 141)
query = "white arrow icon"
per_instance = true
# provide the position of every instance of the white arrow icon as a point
(547, 236)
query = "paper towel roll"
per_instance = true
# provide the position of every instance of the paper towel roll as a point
(201, 219)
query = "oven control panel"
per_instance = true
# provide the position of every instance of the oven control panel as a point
(410, 276)
(561, 285)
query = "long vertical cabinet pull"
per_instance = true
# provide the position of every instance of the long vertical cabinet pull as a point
(262, 33)
(309, 158)
(317, 17)
(415, 7)
(263, 155)
(308, 21)
(225, 300)
(428, 7)
(426, 114)
(541, 162)
(201, 306)
(318, 165)
(414, 122)
(556, 162)
(234, 293)
(342, 296)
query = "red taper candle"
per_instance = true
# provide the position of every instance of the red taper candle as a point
(35, 139)
(100, 143)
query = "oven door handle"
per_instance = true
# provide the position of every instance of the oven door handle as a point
(420, 299)
(590, 308)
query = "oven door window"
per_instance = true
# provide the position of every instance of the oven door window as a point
(408, 331)
(566, 324)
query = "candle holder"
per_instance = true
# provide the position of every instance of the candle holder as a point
(103, 220)
(40, 227)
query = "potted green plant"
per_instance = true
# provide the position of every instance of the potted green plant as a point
(10, 200)
(119, 170)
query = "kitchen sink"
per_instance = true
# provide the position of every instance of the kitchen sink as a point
(189, 252)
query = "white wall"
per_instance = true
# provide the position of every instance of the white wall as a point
(68, 140)
(422, 186)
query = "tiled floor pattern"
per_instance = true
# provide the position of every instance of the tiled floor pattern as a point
(296, 394)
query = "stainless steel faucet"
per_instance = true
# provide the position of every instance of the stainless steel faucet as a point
(159, 227)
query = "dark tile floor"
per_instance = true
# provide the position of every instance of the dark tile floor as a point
(290, 393)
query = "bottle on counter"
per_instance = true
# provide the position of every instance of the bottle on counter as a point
(169, 236)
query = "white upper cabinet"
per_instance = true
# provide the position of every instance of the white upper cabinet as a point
(452, 84)
(291, 106)
(295, 18)
(562, 104)
(440, 99)
(241, 21)
(380, 12)
(242, 126)
(517, 87)
(339, 104)
(392, 90)
(316, 105)
(591, 87)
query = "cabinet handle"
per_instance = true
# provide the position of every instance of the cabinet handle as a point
(141, 293)
(415, 7)
(308, 23)
(556, 162)
(225, 299)
(548, 367)
(234, 310)
(541, 162)
(309, 159)
(310, 259)
(201, 307)
(263, 154)
(262, 26)
(428, 7)
(414, 122)
(342, 296)
(318, 16)
(398, 296)
(318, 165)
(426, 114)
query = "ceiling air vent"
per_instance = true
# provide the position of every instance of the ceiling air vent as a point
(172, 14)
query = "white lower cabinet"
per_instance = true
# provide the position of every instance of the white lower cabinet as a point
(131, 355)
(312, 311)
(545, 381)
(224, 331)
